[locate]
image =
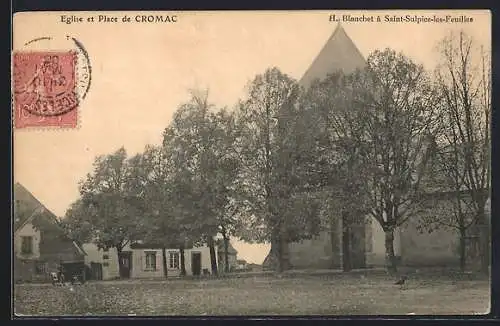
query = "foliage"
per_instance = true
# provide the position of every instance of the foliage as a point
(199, 143)
(376, 129)
(108, 210)
(274, 146)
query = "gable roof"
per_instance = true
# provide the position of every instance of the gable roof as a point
(27, 208)
(338, 54)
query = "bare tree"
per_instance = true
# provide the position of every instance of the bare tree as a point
(464, 82)
(401, 123)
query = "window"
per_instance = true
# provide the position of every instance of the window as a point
(105, 264)
(27, 245)
(105, 249)
(173, 261)
(151, 260)
(125, 262)
(105, 256)
(41, 267)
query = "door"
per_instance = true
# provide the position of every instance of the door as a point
(125, 264)
(358, 247)
(96, 271)
(196, 263)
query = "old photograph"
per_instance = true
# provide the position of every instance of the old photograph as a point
(251, 163)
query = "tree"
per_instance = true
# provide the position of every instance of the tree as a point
(464, 83)
(107, 210)
(451, 210)
(200, 139)
(271, 149)
(340, 128)
(222, 176)
(400, 119)
(77, 224)
(449, 204)
(231, 223)
(152, 172)
(184, 200)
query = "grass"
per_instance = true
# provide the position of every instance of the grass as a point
(259, 295)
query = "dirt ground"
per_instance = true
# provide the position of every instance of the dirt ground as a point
(259, 295)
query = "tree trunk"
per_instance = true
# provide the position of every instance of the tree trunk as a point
(284, 257)
(164, 261)
(120, 263)
(183, 261)
(226, 255)
(484, 241)
(213, 257)
(279, 255)
(281, 245)
(333, 243)
(273, 256)
(462, 248)
(346, 243)
(390, 257)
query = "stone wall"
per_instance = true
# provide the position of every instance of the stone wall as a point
(315, 253)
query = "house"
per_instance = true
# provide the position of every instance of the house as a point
(40, 244)
(254, 267)
(242, 264)
(231, 256)
(366, 239)
(144, 260)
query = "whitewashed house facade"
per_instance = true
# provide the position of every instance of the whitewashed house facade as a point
(144, 261)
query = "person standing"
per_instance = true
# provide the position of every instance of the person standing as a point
(60, 273)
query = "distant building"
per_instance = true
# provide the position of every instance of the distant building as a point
(367, 239)
(40, 244)
(254, 267)
(242, 264)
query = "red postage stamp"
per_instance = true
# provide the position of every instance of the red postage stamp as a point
(45, 89)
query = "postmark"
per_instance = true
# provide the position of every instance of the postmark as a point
(49, 85)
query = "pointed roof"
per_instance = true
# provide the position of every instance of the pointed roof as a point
(338, 54)
(26, 207)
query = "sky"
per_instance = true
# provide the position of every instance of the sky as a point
(141, 72)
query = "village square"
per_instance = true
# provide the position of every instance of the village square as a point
(366, 178)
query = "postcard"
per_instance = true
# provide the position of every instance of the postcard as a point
(251, 163)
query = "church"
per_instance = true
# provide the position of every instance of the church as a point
(366, 241)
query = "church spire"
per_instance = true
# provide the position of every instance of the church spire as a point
(338, 54)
